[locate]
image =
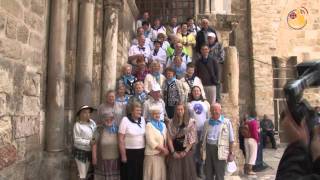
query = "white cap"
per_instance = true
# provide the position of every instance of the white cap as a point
(211, 34)
(155, 87)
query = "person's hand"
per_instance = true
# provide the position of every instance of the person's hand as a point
(92, 142)
(182, 154)
(315, 143)
(293, 131)
(176, 155)
(165, 151)
(124, 159)
(230, 157)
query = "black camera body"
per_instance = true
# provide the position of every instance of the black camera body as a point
(308, 76)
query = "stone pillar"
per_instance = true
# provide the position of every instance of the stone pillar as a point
(110, 45)
(55, 159)
(201, 7)
(56, 75)
(196, 7)
(231, 73)
(206, 7)
(84, 53)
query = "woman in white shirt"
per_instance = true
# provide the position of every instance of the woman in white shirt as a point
(199, 110)
(83, 139)
(132, 143)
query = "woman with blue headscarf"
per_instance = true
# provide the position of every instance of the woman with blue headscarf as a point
(154, 167)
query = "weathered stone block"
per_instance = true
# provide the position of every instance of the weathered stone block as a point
(25, 126)
(26, 3)
(38, 7)
(31, 105)
(6, 81)
(8, 155)
(11, 28)
(3, 104)
(35, 41)
(2, 21)
(5, 130)
(32, 85)
(13, 7)
(10, 48)
(34, 21)
(22, 33)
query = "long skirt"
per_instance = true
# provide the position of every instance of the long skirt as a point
(133, 168)
(154, 168)
(181, 169)
(108, 170)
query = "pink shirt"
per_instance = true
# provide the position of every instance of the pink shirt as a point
(254, 129)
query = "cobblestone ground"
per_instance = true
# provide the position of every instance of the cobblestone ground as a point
(272, 158)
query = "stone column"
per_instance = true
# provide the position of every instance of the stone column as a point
(110, 45)
(84, 53)
(56, 75)
(201, 11)
(55, 160)
(231, 73)
(196, 7)
(206, 6)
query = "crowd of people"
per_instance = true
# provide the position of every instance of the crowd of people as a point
(163, 120)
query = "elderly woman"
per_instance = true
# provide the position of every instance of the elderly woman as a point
(140, 95)
(154, 167)
(174, 91)
(83, 139)
(182, 135)
(154, 77)
(111, 106)
(105, 152)
(127, 78)
(132, 143)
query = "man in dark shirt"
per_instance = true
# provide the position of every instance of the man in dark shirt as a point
(267, 131)
(207, 69)
(202, 35)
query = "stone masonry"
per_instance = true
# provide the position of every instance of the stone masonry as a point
(22, 75)
(271, 36)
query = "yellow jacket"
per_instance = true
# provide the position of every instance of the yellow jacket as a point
(188, 42)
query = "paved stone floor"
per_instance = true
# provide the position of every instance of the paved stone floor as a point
(272, 158)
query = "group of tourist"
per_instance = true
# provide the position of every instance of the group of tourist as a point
(163, 120)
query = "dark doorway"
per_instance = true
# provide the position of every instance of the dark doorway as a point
(165, 9)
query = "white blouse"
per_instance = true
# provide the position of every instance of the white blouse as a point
(83, 133)
(134, 134)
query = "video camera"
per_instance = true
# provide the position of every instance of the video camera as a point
(308, 76)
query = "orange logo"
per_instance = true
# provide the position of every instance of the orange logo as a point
(297, 18)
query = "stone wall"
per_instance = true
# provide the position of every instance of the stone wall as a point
(271, 36)
(23, 34)
(242, 42)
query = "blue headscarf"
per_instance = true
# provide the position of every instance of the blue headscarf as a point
(113, 129)
(156, 75)
(157, 124)
(171, 80)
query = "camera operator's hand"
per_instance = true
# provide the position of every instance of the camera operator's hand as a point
(295, 132)
(315, 143)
